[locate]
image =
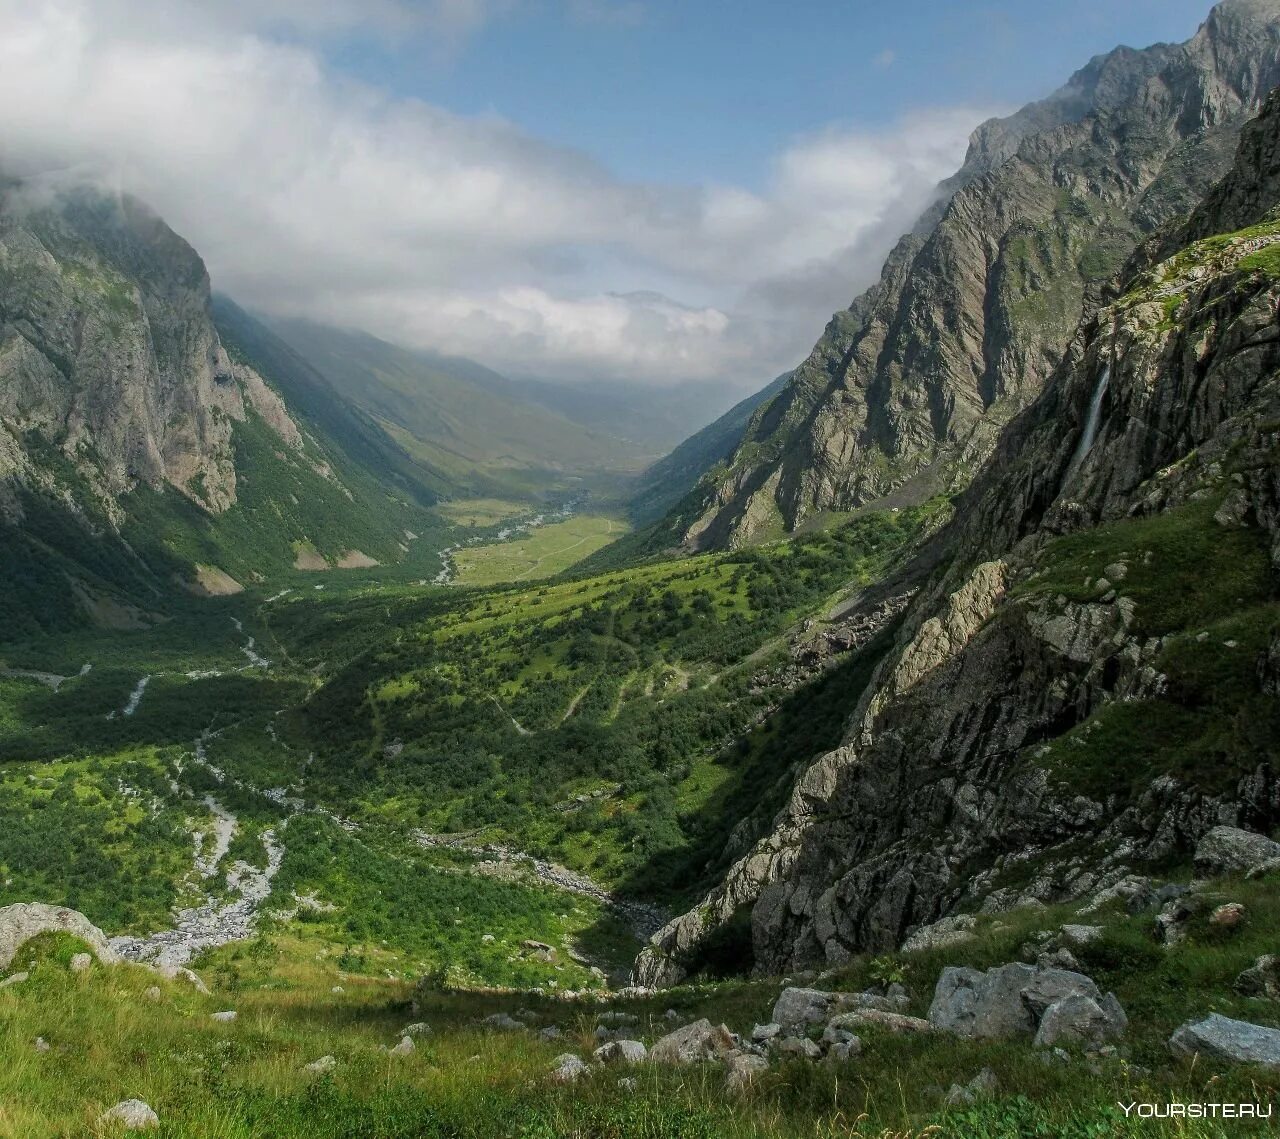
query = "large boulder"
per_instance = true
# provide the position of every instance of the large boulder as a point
(1013, 1000)
(22, 921)
(1222, 1038)
(796, 1008)
(1229, 850)
(698, 1041)
(1078, 1019)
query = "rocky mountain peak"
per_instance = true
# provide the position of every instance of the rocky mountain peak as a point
(906, 392)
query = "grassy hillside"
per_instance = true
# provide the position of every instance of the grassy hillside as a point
(455, 417)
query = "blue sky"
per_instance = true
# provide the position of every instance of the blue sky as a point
(588, 190)
(710, 89)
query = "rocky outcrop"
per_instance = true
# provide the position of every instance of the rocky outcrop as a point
(908, 389)
(956, 786)
(109, 355)
(21, 922)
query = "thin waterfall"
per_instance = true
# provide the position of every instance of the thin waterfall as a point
(1091, 423)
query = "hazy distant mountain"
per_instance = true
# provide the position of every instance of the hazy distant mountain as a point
(483, 430)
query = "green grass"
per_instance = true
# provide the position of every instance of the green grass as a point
(1210, 592)
(542, 552)
(206, 1080)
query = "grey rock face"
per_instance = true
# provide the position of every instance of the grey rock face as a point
(81, 962)
(223, 1017)
(321, 1066)
(1220, 1038)
(1229, 850)
(406, 1047)
(21, 922)
(941, 767)
(909, 387)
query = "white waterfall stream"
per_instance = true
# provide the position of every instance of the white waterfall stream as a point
(1092, 421)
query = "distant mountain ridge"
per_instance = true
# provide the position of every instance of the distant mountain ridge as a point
(483, 431)
(907, 389)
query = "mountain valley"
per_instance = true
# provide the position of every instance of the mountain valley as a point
(391, 748)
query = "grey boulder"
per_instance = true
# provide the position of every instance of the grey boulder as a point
(132, 1115)
(621, 1052)
(1221, 1038)
(1229, 850)
(695, 1042)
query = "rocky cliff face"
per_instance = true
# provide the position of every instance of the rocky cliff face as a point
(112, 374)
(907, 390)
(1088, 683)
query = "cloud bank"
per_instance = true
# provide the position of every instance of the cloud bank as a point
(312, 195)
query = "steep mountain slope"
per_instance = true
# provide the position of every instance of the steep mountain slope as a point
(137, 452)
(1090, 681)
(458, 417)
(908, 389)
(668, 480)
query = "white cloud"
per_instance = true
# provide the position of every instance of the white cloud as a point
(309, 194)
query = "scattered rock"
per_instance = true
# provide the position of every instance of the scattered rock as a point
(21, 922)
(742, 1070)
(845, 1049)
(799, 1046)
(132, 1115)
(1228, 916)
(224, 1017)
(1080, 1019)
(501, 1022)
(182, 973)
(1261, 979)
(154, 994)
(959, 1096)
(41, 1044)
(568, 1068)
(956, 930)
(14, 979)
(551, 1032)
(796, 1008)
(1221, 1038)
(1009, 1000)
(765, 1032)
(1229, 850)
(81, 962)
(698, 1041)
(1171, 921)
(1080, 935)
(416, 1029)
(621, 1052)
(321, 1066)
(337, 989)
(894, 1022)
(406, 1047)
